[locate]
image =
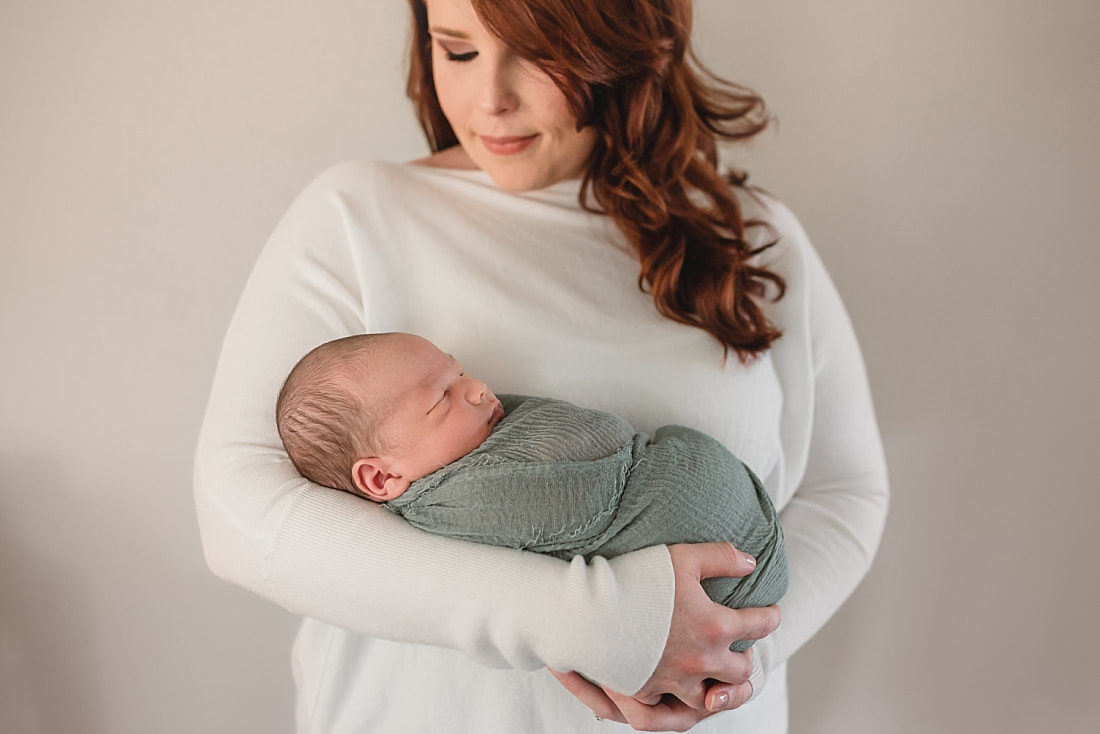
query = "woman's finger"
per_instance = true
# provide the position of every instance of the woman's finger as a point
(670, 714)
(756, 623)
(715, 560)
(726, 697)
(732, 669)
(591, 696)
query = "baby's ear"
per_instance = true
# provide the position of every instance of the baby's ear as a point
(374, 482)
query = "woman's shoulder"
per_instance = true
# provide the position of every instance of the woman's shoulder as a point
(380, 185)
(438, 172)
(353, 174)
(773, 230)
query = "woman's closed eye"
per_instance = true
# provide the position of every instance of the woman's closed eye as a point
(458, 53)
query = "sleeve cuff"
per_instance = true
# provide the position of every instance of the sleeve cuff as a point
(630, 637)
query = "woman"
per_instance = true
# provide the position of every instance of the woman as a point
(569, 236)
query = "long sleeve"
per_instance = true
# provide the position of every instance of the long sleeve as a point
(341, 560)
(835, 508)
(538, 296)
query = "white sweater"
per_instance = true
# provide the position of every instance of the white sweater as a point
(407, 632)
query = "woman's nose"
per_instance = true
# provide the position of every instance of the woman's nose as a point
(498, 94)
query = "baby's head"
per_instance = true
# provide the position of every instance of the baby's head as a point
(373, 413)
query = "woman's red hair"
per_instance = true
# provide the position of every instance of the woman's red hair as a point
(627, 69)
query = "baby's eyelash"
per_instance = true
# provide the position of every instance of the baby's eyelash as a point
(440, 401)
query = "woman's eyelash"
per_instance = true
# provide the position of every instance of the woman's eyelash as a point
(466, 56)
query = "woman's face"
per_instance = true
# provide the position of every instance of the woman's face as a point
(510, 118)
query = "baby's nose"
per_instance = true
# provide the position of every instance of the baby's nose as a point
(476, 391)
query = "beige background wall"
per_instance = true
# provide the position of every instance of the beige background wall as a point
(943, 155)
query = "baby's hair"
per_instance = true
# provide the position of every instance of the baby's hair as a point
(322, 418)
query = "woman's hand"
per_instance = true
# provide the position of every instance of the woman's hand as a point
(697, 674)
(697, 651)
(669, 714)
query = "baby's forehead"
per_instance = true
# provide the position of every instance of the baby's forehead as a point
(412, 346)
(376, 374)
(398, 366)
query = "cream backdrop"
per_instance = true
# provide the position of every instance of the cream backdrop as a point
(943, 155)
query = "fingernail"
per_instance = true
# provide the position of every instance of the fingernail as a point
(720, 701)
(751, 561)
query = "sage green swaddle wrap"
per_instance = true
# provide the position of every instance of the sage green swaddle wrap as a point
(562, 480)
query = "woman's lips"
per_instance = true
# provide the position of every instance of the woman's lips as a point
(507, 145)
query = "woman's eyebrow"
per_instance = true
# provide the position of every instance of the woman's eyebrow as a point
(437, 31)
